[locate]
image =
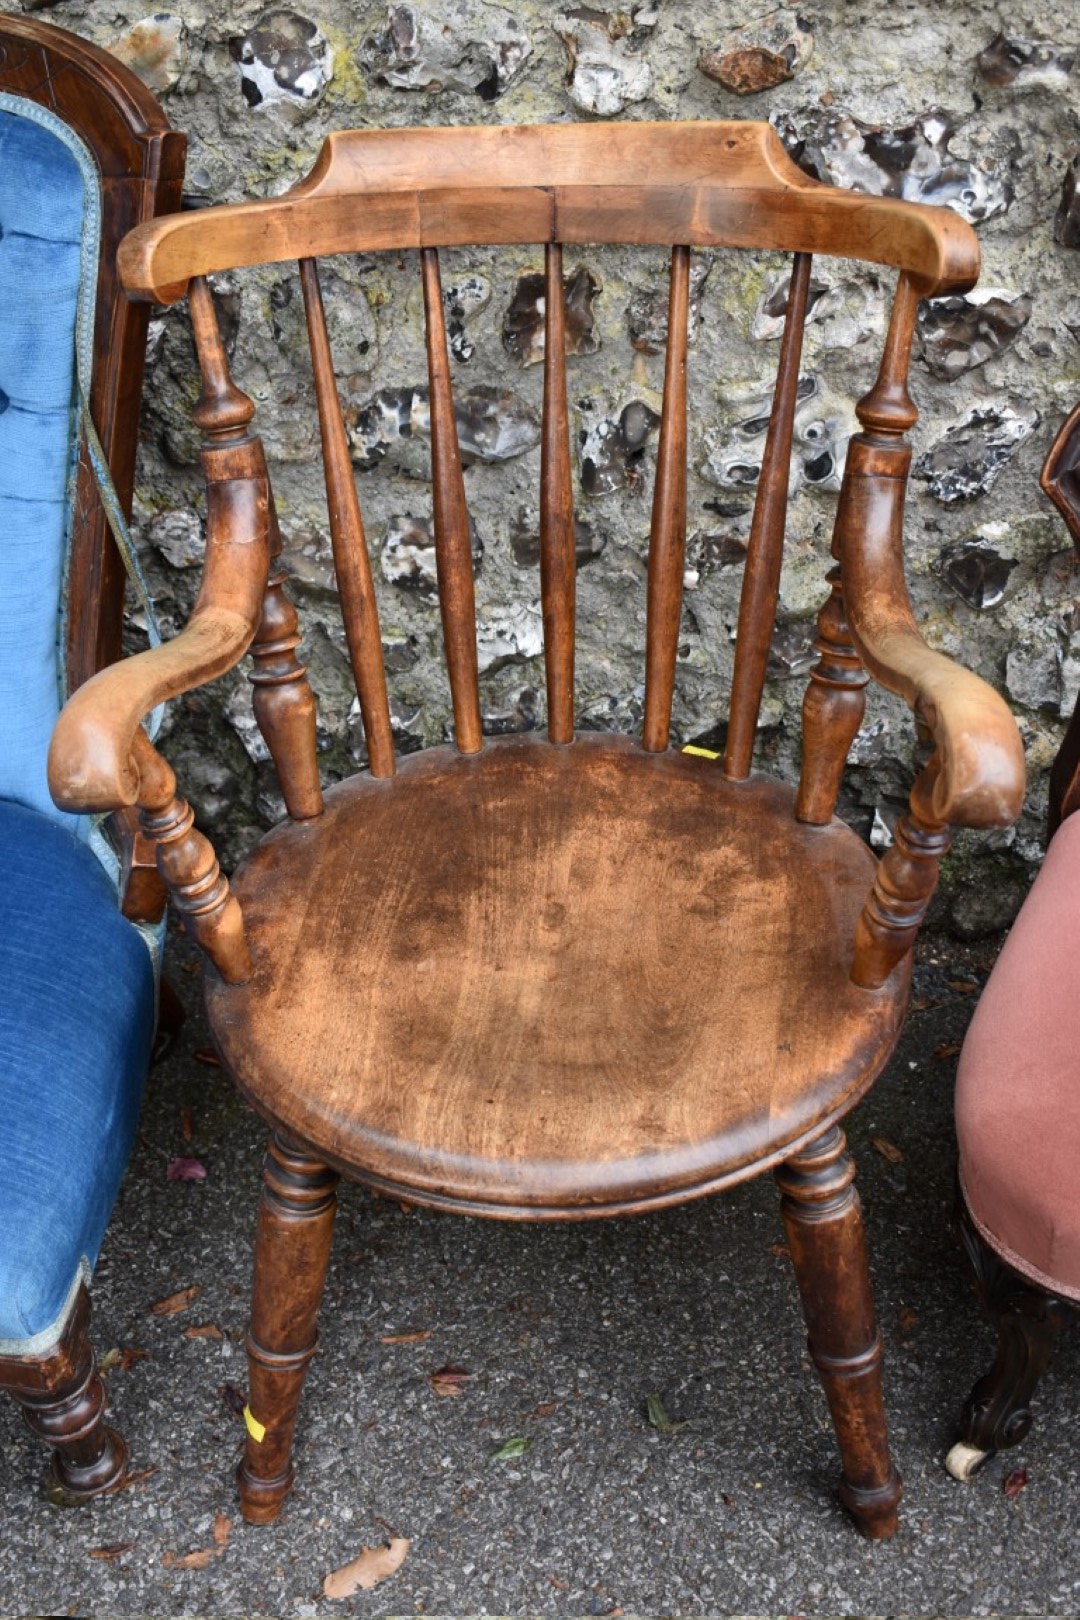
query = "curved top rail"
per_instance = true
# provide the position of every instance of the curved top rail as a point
(704, 184)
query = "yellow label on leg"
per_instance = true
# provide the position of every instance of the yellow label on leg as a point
(702, 753)
(256, 1429)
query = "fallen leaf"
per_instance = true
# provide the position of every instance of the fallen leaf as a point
(187, 1126)
(545, 1409)
(222, 1529)
(780, 1250)
(204, 1330)
(947, 1049)
(172, 1304)
(450, 1380)
(887, 1149)
(137, 1478)
(191, 1560)
(185, 1170)
(373, 1565)
(207, 1055)
(233, 1399)
(658, 1416)
(923, 1004)
(909, 1320)
(406, 1338)
(516, 1446)
(1014, 1483)
(115, 1549)
(124, 1359)
(965, 987)
(728, 1501)
(560, 1586)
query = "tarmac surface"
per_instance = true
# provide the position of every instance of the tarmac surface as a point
(564, 1332)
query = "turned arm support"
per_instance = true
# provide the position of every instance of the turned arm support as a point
(92, 758)
(979, 779)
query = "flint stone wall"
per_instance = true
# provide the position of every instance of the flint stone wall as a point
(974, 105)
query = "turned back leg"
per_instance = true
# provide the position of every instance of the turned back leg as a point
(292, 1251)
(823, 1220)
(64, 1402)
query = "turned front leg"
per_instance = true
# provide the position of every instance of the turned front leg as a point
(905, 882)
(823, 1221)
(292, 1252)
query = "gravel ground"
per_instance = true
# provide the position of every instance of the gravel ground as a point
(565, 1331)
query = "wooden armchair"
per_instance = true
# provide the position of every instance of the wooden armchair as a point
(581, 976)
(85, 154)
(1018, 1103)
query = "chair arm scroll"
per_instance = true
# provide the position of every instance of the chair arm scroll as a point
(979, 781)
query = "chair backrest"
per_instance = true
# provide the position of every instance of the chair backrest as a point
(680, 185)
(85, 153)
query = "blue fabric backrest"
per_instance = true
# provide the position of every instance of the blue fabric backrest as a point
(43, 215)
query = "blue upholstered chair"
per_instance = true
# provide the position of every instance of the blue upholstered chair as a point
(85, 152)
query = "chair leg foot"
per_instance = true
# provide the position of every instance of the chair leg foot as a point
(823, 1221)
(1029, 1321)
(65, 1406)
(292, 1252)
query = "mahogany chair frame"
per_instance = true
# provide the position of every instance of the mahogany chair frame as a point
(708, 184)
(140, 160)
(1029, 1320)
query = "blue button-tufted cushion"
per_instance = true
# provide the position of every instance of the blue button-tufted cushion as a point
(76, 1021)
(42, 210)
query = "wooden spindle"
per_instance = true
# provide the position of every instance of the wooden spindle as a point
(667, 538)
(906, 878)
(557, 561)
(282, 698)
(355, 585)
(453, 551)
(833, 710)
(765, 552)
(223, 411)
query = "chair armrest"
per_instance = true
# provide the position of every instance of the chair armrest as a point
(92, 757)
(980, 780)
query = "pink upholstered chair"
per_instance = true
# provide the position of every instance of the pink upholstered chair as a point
(1018, 1102)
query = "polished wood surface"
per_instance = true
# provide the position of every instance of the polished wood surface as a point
(610, 979)
(704, 184)
(558, 563)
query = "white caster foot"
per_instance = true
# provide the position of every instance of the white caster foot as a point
(964, 1461)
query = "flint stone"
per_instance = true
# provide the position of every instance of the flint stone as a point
(509, 635)
(1024, 63)
(461, 301)
(394, 426)
(612, 448)
(589, 542)
(647, 311)
(791, 651)
(524, 324)
(606, 74)
(178, 536)
(708, 553)
(156, 49)
(1067, 218)
(976, 571)
(846, 309)
(240, 714)
(407, 557)
(912, 161)
(966, 461)
(823, 426)
(460, 45)
(519, 714)
(405, 728)
(285, 61)
(963, 331)
(762, 54)
(870, 743)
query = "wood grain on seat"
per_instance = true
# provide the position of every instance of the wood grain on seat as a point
(596, 977)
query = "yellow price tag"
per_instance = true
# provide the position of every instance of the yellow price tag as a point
(256, 1429)
(702, 753)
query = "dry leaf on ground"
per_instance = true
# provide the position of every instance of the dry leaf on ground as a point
(657, 1414)
(191, 1560)
(887, 1149)
(185, 1170)
(406, 1338)
(545, 1409)
(909, 1320)
(1014, 1483)
(965, 987)
(124, 1359)
(203, 1330)
(207, 1055)
(187, 1124)
(173, 1303)
(947, 1049)
(115, 1549)
(516, 1446)
(450, 1380)
(222, 1530)
(373, 1565)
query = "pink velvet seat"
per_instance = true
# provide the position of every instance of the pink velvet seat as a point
(1018, 1087)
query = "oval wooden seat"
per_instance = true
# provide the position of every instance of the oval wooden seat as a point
(554, 979)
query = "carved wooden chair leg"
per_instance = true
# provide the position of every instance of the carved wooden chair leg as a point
(64, 1402)
(823, 1220)
(292, 1251)
(1029, 1321)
